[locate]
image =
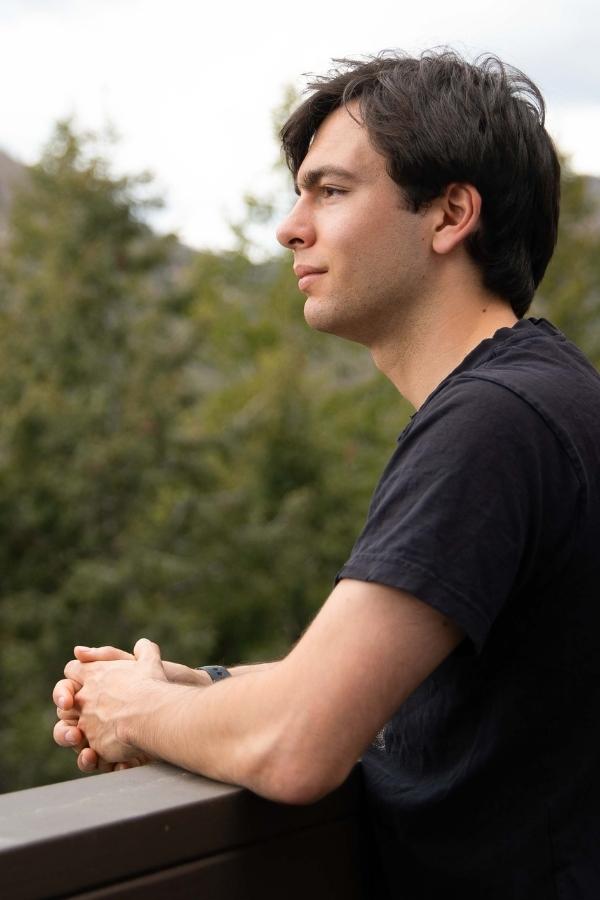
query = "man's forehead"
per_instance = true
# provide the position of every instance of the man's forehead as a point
(341, 142)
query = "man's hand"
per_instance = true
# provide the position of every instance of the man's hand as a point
(67, 732)
(112, 693)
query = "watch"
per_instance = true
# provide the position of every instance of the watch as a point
(216, 672)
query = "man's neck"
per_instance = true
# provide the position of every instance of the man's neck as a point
(421, 352)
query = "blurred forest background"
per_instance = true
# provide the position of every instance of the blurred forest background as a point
(181, 458)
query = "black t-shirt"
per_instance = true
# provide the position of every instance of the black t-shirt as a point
(485, 785)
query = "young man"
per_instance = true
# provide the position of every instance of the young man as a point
(464, 623)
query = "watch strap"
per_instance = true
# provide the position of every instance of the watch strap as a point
(216, 672)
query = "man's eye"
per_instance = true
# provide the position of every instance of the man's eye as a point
(327, 191)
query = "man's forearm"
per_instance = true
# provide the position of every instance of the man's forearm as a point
(233, 732)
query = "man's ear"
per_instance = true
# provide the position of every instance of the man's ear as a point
(459, 211)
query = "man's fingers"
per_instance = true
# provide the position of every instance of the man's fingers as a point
(64, 692)
(129, 764)
(68, 735)
(70, 716)
(144, 651)
(102, 654)
(88, 760)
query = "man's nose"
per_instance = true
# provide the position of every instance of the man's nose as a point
(296, 229)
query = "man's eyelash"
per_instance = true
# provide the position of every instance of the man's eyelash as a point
(331, 190)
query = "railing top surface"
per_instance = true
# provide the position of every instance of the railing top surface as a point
(63, 837)
(48, 812)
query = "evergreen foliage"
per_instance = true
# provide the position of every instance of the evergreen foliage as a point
(570, 292)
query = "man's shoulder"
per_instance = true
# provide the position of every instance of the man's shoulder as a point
(534, 374)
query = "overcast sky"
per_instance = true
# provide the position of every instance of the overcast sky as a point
(190, 86)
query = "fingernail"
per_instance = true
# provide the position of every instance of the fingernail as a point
(81, 647)
(62, 701)
(70, 736)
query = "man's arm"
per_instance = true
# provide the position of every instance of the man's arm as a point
(291, 732)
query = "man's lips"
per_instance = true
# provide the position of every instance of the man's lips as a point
(306, 275)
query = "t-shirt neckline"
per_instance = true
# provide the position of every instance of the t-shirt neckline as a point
(488, 347)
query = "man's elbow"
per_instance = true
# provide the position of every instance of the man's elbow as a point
(299, 781)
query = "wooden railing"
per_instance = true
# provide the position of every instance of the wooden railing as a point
(158, 833)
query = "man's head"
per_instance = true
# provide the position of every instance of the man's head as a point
(438, 120)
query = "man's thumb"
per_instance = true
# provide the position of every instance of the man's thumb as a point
(147, 651)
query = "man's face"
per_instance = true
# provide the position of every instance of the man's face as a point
(351, 224)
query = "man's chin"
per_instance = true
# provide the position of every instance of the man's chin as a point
(318, 317)
(323, 317)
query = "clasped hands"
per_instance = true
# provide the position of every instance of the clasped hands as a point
(104, 691)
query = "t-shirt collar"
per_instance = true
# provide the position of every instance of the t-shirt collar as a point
(524, 329)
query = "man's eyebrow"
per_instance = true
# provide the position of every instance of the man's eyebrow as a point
(313, 176)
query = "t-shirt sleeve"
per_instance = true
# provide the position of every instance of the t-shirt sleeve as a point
(458, 516)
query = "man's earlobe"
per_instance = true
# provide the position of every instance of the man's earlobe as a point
(460, 208)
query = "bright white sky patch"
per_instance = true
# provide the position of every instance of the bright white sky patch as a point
(191, 87)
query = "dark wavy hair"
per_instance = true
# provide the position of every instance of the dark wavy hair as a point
(439, 119)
